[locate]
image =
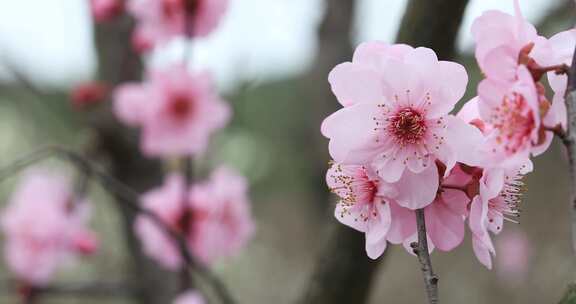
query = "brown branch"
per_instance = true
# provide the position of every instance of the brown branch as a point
(421, 250)
(129, 198)
(569, 141)
(84, 289)
(434, 24)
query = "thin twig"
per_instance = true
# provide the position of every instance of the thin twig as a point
(570, 141)
(130, 198)
(421, 250)
(87, 289)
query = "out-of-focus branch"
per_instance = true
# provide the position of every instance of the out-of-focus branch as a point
(83, 289)
(570, 295)
(570, 142)
(434, 24)
(129, 198)
(421, 250)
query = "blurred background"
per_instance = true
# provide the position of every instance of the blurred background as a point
(270, 59)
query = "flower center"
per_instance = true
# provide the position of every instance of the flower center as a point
(408, 126)
(515, 122)
(180, 107)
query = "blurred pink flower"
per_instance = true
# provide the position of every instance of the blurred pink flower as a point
(222, 222)
(44, 228)
(106, 10)
(161, 20)
(190, 297)
(397, 120)
(500, 191)
(513, 259)
(176, 110)
(214, 216)
(167, 202)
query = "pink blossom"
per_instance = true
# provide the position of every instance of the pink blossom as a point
(498, 199)
(36, 246)
(214, 215)
(399, 120)
(176, 110)
(88, 94)
(168, 203)
(504, 41)
(189, 297)
(375, 207)
(105, 10)
(161, 20)
(222, 219)
(512, 112)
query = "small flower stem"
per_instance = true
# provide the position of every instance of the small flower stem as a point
(421, 250)
(557, 130)
(187, 169)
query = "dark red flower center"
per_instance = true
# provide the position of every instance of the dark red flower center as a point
(408, 126)
(180, 107)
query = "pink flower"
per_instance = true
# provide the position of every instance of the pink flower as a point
(190, 297)
(169, 204)
(106, 10)
(44, 228)
(367, 202)
(176, 110)
(512, 112)
(500, 191)
(503, 42)
(161, 20)
(397, 101)
(222, 219)
(214, 216)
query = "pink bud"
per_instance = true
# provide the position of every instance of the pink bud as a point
(85, 243)
(87, 94)
(106, 10)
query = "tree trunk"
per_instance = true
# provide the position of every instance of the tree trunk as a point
(119, 147)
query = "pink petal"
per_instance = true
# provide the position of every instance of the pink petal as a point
(445, 220)
(482, 253)
(417, 191)
(352, 135)
(353, 83)
(378, 227)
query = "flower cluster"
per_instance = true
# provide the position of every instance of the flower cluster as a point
(396, 147)
(213, 216)
(44, 225)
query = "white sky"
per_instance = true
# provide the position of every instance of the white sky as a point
(51, 40)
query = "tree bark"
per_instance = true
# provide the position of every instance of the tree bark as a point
(433, 24)
(119, 148)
